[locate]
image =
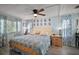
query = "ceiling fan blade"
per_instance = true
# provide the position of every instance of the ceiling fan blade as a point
(41, 10)
(42, 14)
(77, 7)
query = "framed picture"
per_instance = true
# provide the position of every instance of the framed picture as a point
(41, 20)
(49, 19)
(34, 20)
(37, 20)
(41, 24)
(37, 24)
(49, 23)
(33, 24)
(45, 24)
(44, 20)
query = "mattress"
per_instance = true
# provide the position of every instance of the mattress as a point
(36, 42)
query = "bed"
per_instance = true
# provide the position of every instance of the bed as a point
(34, 44)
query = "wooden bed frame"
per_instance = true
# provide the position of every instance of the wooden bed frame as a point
(23, 48)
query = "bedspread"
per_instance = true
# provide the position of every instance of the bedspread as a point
(36, 42)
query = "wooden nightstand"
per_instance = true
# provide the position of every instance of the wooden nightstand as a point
(56, 41)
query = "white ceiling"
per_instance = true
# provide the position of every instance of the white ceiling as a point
(24, 11)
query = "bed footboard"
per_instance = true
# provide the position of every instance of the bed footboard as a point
(22, 48)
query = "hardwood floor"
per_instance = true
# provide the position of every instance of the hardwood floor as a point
(63, 51)
(52, 51)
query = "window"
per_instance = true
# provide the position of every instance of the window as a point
(11, 26)
(2, 25)
(66, 28)
(19, 26)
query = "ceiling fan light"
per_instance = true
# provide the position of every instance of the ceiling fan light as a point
(35, 15)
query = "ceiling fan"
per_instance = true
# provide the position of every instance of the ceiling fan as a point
(38, 12)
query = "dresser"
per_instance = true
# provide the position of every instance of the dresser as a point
(56, 41)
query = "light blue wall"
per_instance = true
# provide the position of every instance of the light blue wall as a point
(54, 25)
